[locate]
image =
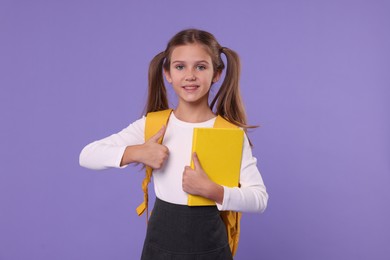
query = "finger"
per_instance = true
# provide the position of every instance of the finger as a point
(158, 135)
(166, 151)
(196, 161)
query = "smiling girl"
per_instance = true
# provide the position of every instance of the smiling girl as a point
(191, 64)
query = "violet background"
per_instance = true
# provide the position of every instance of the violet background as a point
(315, 77)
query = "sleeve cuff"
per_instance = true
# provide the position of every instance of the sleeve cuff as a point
(118, 157)
(226, 198)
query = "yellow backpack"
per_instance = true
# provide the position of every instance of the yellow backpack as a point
(154, 121)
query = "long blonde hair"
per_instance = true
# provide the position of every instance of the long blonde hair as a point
(227, 102)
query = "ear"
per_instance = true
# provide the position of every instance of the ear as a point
(167, 75)
(217, 76)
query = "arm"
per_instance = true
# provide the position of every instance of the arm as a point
(252, 195)
(150, 153)
(127, 146)
(108, 152)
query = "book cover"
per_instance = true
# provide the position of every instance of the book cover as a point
(219, 151)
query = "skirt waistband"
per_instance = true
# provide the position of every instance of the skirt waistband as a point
(184, 209)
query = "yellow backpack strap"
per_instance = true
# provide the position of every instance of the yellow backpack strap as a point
(232, 223)
(154, 122)
(230, 218)
(221, 122)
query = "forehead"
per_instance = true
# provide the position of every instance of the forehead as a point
(190, 52)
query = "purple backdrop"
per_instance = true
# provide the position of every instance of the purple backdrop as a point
(315, 77)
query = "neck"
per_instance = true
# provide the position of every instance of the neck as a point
(193, 113)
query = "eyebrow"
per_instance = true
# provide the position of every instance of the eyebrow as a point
(200, 61)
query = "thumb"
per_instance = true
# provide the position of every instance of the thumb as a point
(196, 161)
(158, 135)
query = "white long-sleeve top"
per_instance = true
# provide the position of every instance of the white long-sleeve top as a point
(251, 196)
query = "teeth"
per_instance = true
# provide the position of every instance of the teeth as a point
(190, 87)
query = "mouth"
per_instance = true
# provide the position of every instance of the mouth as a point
(190, 87)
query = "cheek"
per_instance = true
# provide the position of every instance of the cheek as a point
(211, 78)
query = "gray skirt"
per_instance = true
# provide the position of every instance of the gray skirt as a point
(183, 232)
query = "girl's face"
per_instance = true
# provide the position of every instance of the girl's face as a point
(191, 74)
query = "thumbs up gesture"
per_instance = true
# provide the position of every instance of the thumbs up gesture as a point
(153, 154)
(196, 182)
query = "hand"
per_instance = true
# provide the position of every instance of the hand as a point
(196, 182)
(155, 154)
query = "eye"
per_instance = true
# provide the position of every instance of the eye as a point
(200, 67)
(179, 67)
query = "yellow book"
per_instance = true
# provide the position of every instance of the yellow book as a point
(219, 151)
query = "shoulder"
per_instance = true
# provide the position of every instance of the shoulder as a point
(138, 125)
(140, 121)
(159, 115)
(134, 131)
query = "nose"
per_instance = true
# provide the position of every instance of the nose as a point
(190, 76)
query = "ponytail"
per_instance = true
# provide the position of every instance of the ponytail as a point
(157, 93)
(227, 101)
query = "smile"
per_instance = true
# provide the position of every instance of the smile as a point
(190, 87)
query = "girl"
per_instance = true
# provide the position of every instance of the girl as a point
(191, 63)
